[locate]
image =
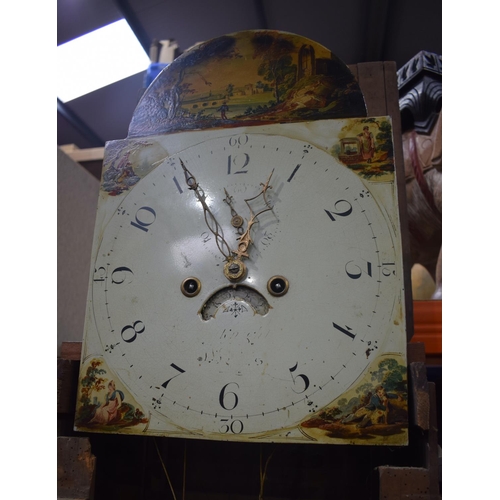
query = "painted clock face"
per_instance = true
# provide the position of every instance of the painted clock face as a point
(318, 299)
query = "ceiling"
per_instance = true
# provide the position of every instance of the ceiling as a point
(354, 30)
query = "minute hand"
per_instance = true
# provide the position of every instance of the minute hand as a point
(210, 219)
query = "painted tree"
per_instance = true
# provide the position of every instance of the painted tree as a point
(92, 381)
(277, 66)
(391, 375)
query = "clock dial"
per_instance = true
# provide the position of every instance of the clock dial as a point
(220, 354)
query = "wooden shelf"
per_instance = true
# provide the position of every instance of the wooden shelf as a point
(427, 316)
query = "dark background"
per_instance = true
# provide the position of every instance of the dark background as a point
(354, 30)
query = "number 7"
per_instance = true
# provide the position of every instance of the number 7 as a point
(180, 370)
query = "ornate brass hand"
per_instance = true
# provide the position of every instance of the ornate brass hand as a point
(210, 219)
(236, 220)
(235, 268)
(245, 239)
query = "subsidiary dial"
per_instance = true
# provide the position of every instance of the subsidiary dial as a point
(231, 299)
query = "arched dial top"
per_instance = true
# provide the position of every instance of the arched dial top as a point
(233, 358)
(245, 78)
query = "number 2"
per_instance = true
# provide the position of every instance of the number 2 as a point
(343, 207)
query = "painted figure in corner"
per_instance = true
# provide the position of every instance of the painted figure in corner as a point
(367, 144)
(376, 411)
(109, 410)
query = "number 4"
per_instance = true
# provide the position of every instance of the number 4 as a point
(346, 331)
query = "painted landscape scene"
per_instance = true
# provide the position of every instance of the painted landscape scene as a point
(253, 77)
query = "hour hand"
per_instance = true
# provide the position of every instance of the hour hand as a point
(190, 178)
(237, 221)
(245, 239)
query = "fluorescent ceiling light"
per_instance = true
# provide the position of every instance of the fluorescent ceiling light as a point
(97, 59)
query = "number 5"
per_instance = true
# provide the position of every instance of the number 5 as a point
(304, 378)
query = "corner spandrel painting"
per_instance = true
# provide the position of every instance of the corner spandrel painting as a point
(248, 78)
(103, 402)
(373, 410)
(365, 146)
